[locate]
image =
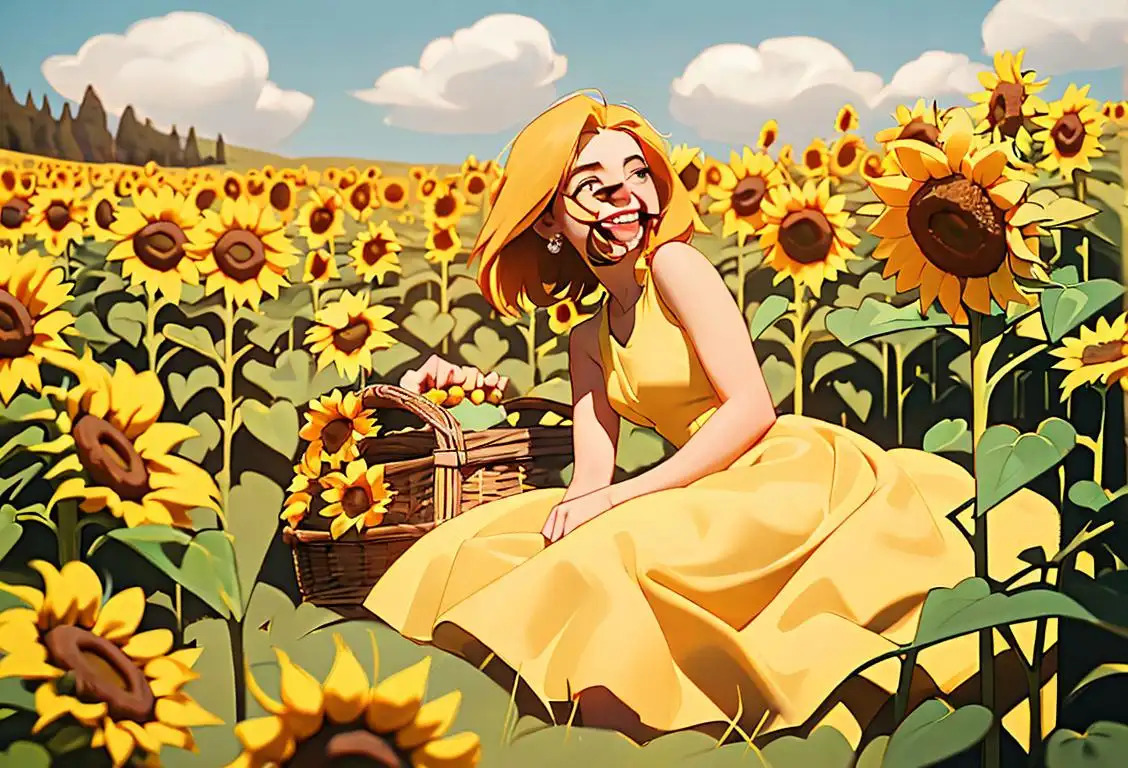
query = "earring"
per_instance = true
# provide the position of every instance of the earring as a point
(555, 243)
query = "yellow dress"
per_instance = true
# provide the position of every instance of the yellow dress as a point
(759, 588)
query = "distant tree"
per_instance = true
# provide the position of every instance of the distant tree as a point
(65, 141)
(220, 150)
(127, 143)
(43, 128)
(90, 129)
(175, 152)
(191, 149)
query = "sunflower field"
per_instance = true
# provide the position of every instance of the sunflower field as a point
(181, 358)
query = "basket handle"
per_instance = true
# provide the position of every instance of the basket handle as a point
(450, 448)
(542, 404)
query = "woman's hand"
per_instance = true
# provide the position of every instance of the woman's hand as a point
(569, 515)
(438, 373)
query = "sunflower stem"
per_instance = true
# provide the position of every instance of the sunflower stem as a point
(800, 342)
(898, 366)
(740, 271)
(531, 346)
(1098, 444)
(444, 298)
(67, 531)
(228, 394)
(238, 667)
(152, 341)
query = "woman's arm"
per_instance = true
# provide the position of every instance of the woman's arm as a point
(695, 292)
(595, 425)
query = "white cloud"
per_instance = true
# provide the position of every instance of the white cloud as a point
(729, 90)
(185, 69)
(493, 75)
(1060, 36)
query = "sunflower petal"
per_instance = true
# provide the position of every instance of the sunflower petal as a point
(396, 700)
(462, 750)
(431, 722)
(121, 615)
(346, 686)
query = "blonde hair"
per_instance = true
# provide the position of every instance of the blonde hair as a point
(515, 264)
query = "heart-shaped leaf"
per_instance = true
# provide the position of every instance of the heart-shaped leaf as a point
(252, 521)
(10, 530)
(1103, 745)
(293, 377)
(1100, 673)
(464, 319)
(183, 388)
(127, 320)
(474, 418)
(872, 285)
(771, 309)
(266, 333)
(825, 748)
(874, 753)
(88, 327)
(26, 754)
(877, 318)
(384, 361)
(1089, 495)
(948, 435)
(832, 361)
(933, 732)
(1006, 460)
(486, 351)
(1064, 309)
(428, 323)
(30, 436)
(859, 400)
(195, 338)
(275, 427)
(197, 448)
(780, 378)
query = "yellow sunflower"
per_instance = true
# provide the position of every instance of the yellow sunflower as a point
(872, 165)
(334, 426)
(474, 184)
(361, 199)
(741, 190)
(303, 487)
(346, 332)
(1008, 97)
(14, 219)
(103, 210)
(32, 320)
(392, 191)
(124, 456)
(375, 253)
(918, 122)
(243, 251)
(356, 497)
(320, 267)
(233, 186)
(847, 119)
(785, 158)
(445, 207)
(56, 218)
(806, 234)
(427, 185)
(946, 226)
(846, 155)
(321, 219)
(689, 165)
(1071, 132)
(205, 194)
(816, 160)
(281, 194)
(769, 132)
(443, 245)
(318, 723)
(152, 242)
(1095, 356)
(89, 663)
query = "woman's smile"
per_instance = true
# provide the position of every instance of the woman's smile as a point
(625, 228)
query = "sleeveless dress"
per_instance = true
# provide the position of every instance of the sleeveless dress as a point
(758, 589)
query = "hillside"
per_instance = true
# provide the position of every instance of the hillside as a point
(242, 159)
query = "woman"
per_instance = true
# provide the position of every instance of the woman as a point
(754, 569)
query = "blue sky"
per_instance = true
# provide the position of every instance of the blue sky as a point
(630, 50)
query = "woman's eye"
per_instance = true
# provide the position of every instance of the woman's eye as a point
(642, 173)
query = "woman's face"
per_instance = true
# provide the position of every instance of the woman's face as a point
(613, 200)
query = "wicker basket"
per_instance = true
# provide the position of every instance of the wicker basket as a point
(437, 472)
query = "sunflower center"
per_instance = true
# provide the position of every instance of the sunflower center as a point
(109, 457)
(443, 240)
(806, 236)
(58, 216)
(374, 250)
(394, 193)
(8, 179)
(13, 214)
(476, 185)
(918, 130)
(355, 501)
(320, 221)
(813, 159)
(280, 197)
(102, 673)
(747, 195)
(335, 434)
(320, 266)
(445, 206)
(1069, 134)
(713, 176)
(563, 313)
(350, 745)
(690, 175)
(231, 188)
(17, 329)
(361, 197)
(1106, 352)
(240, 254)
(872, 167)
(957, 227)
(104, 214)
(1004, 110)
(351, 337)
(256, 187)
(205, 199)
(847, 153)
(427, 188)
(160, 245)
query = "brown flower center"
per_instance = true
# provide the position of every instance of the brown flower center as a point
(806, 236)
(58, 215)
(355, 501)
(336, 434)
(957, 227)
(427, 188)
(812, 158)
(205, 199)
(475, 185)
(1105, 352)
(17, 329)
(374, 250)
(160, 245)
(445, 206)
(1004, 109)
(1069, 134)
(14, 213)
(319, 266)
(847, 154)
(361, 197)
(352, 337)
(747, 195)
(280, 196)
(1118, 110)
(109, 457)
(394, 193)
(320, 221)
(918, 130)
(256, 187)
(443, 240)
(240, 254)
(101, 672)
(350, 745)
(713, 175)
(8, 180)
(767, 139)
(690, 175)
(104, 214)
(231, 188)
(562, 312)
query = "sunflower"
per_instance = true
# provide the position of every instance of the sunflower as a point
(918, 122)
(244, 251)
(232, 186)
(846, 155)
(1119, 111)
(443, 245)
(375, 253)
(102, 211)
(204, 195)
(371, 173)
(427, 185)
(816, 160)
(56, 218)
(737, 196)
(14, 218)
(473, 184)
(785, 156)
(322, 219)
(946, 226)
(1095, 356)
(322, 723)
(1071, 132)
(32, 321)
(334, 426)
(320, 267)
(769, 132)
(847, 119)
(357, 497)
(392, 191)
(89, 663)
(361, 199)
(303, 486)
(563, 316)
(152, 239)
(125, 456)
(256, 186)
(1008, 96)
(872, 166)
(445, 207)
(689, 165)
(281, 193)
(806, 234)
(346, 332)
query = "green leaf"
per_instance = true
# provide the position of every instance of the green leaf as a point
(1089, 495)
(465, 318)
(771, 309)
(874, 753)
(275, 427)
(832, 361)
(183, 388)
(293, 377)
(877, 318)
(195, 338)
(1066, 210)
(907, 341)
(639, 448)
(211, 558)
(12, 485)
(266, 333)
(90, 330)
(30, 436)
(26, 754)
(1103, 745)
(127, 320)
(197, 448)
(474, 418)
(12, 693)
(1100, 673)
(871, 284)
(1064, 309)
(384, 361)
(859, 400)
(27, 407)
(10, 530)
(486, 351)
(1006, 460)
(825, 748)
(780, 378)
(948, 435)
(933, 732)
(252, 521)
(428, 323)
